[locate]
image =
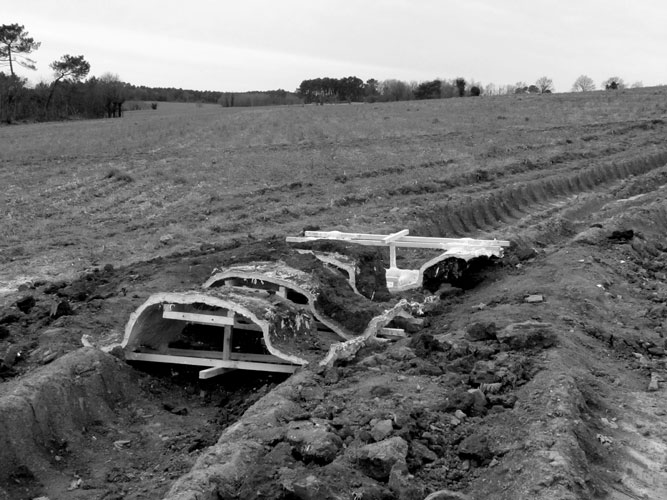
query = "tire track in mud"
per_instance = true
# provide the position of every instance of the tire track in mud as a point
(503, 206)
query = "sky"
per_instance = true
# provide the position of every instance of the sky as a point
(246, 45)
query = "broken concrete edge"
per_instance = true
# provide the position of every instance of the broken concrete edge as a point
(347, 349)
(416, 277)
(401, 280)
(280, 275)
(261, 316)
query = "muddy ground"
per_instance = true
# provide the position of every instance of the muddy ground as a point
(537, 376)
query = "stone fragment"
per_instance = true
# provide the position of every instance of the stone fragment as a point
(377, 459)
(609, 423)
(482, 331)
(312, 393)
(478, 402)
(314, 443)
(527, 335)
(382, 429)
(654, 383)
(534, 299)
(459, 400)
(475, 447)
(460, 415)
(422, 453)
(61, 308)
(402, 483)
(166, 239)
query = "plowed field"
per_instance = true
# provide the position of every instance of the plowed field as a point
(539, 376)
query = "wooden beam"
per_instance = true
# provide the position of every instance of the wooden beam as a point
(200, 319)
(400, 237)
(236, 356)
(211, 362)
(260, 358)
(213, 372)
(227, 338)
(395, 236)
(392, 332)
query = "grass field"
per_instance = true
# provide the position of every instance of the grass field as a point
(527, 378)
(85, 193)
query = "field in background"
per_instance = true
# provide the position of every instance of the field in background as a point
(87, 193)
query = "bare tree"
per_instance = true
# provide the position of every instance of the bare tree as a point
(583, 84)
(395, 90)
(491, 89)
(637, 85)
(545, 84)
(14, 43)
(113, 93)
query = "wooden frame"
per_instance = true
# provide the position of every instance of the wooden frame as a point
(404, 279)
(216, 362)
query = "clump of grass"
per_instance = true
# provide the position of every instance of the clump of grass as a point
(119, 175)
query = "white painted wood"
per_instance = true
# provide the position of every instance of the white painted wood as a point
(392, 332)
(401, 238)
(227, 338)
(395, 236)
(213, 372)
(211, 362)
(235, 356)
(200, 319)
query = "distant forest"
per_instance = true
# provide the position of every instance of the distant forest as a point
(72, 94)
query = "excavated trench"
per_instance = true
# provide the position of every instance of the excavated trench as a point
(60, 401)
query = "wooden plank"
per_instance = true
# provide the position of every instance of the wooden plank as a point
(402, 240)
(237, 356)
(213, 372)
(435, 245)
(200, 319)
(196, 353)
(392, 332)
(395, 236)
(211, 362)
(260, 358)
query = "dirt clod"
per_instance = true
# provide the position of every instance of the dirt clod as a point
(25, 304)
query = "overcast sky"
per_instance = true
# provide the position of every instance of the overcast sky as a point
(268, 44)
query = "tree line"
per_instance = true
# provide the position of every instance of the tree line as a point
(72, 93)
